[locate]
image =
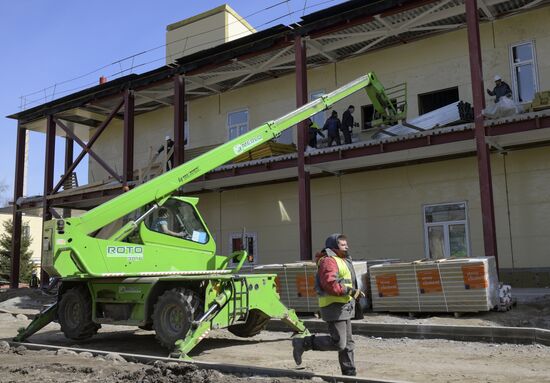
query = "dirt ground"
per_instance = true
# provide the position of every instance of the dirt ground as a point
(400, 359)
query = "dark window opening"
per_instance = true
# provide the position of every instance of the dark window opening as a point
(428, 102)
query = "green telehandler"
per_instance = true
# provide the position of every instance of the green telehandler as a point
(146, 257)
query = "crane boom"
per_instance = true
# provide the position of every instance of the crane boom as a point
(165, 184)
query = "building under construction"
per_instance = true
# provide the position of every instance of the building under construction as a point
(467, 187)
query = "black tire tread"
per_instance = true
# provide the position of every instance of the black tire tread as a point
(254, 325)
(87, 328)
(186, 296)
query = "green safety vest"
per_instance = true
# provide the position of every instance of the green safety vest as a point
(344, 275)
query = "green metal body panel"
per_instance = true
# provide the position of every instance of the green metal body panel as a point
(125, 276)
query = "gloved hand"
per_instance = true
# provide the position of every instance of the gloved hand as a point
(356, 293)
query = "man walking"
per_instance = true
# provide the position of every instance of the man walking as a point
(347, 124)
(336, 285)
(333, 127)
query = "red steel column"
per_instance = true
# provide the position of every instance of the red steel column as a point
(483, 154)
(304, 195)
(69, 154)
(179, 120)
(48, 180)
(128, 139)
(17, 192)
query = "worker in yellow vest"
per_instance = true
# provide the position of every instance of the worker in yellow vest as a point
(336, 286)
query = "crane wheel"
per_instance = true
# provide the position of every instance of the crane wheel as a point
(173, 314)
(254, 324)
(75, 314)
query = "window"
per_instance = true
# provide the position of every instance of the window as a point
(368, 115)
(236, 244)
(446, 230)
(524, 71)
(237, 123)
(428, 102)
(178, 219)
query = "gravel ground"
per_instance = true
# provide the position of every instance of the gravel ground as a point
(403, 359)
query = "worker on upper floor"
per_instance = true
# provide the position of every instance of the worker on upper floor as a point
(347, 124)
(313, 131)
(501, 89)
(333, 127)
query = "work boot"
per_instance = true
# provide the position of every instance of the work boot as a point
(298, 348)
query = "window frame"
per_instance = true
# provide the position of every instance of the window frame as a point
(513, 65)
(446, 224)
(247, 122)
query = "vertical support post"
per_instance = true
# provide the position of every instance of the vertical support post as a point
(304, 195)
(128, 146)
(69, 154)
(179, 120)
(16, 215)
(48, 180)
(483, 153)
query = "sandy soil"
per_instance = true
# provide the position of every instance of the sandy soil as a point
(401, 359)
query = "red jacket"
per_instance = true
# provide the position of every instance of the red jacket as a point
(328, 273)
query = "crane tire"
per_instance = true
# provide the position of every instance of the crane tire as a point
(173, 314)
(75, 314)
(254, 324)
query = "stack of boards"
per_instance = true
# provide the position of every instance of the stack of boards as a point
(296, 283)
(446, 285)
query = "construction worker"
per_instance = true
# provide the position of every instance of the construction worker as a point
(313, 130)
(333, 127)
(347, 124)
(336, 286)
(501, 89)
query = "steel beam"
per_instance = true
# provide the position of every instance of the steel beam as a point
(304, 195)
(48, 180)
(179, 120)
(16, 215)
(69, 153)
(87, 147)
(128, 146)
(483, 154)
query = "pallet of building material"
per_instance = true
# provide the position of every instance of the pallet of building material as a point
(268, 149)
(296, 283)
(541, 101)
(447, 285)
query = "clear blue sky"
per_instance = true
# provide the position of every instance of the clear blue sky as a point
(46, 42)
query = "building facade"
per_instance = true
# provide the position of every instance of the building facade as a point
(409, 197)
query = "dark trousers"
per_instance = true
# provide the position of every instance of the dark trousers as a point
(347, 135)
(335, 138)
(341, 340)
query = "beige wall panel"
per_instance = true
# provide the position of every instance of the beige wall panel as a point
(382, 209)
(206, 33)
(35, 230)
(235, 28)
(109, 147)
